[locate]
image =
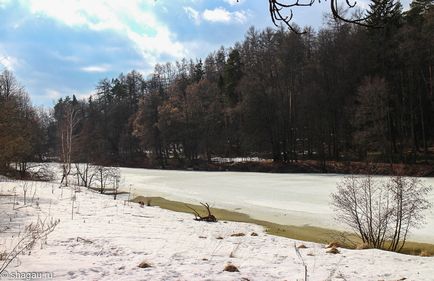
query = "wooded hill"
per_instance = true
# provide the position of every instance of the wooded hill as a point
(344, 93)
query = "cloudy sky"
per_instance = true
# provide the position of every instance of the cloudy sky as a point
(57, 48)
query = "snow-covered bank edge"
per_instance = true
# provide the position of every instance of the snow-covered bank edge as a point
(303, 233)
(108, 239)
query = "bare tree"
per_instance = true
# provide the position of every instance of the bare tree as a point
(106, 176)
(66, 126)
(409, 197)
(381, 212)
(85, 174)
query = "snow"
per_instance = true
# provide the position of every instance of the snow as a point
(108, 239)
(296, 199)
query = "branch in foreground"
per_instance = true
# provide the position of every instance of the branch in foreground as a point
(209, 218)
(281, 11)
(33, 232)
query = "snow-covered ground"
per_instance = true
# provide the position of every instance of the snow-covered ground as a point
(297, 199)
(108, 239)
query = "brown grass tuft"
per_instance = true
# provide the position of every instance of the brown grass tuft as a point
(3, 256)
(231, 268)
(334, 244)
(219, 238)
(333, 250)
(301, 246)
(238, 234)
(144, 264)
(363, 246)
(254, 234)
(425, 254)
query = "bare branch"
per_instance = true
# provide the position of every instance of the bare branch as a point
(277, 8)
(209, 218)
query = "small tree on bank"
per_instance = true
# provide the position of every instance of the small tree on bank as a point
(381, 212)
(106, 176)
(67, 116)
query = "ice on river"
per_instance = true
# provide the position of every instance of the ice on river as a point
(298, 199)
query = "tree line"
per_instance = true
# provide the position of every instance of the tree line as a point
(344, 93)
(23, 127)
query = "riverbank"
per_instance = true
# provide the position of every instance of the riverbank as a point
(98, 238)
(304, 233)
(286, 199)
(301, 166)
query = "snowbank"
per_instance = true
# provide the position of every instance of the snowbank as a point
(107, 240)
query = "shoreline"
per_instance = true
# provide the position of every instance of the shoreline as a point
(305, 233)
(301, 166)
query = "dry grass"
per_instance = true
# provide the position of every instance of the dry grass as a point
(333, 250)
(3, 255)
(425, 254)
(232, 254)
(363, 246)
(231, 268)
(301, 246)
(254, 234)
(144, 264)
(238, 234)
(334, 244)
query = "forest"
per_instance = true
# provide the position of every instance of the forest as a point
(343, 93)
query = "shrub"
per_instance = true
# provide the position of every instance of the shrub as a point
(381, 212)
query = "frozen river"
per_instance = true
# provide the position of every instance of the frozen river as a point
(297, 199)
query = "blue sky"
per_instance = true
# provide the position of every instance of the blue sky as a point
(57, 48)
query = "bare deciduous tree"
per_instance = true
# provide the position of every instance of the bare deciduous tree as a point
(381, 212)
(85, 174)
(409, 201)
(106, 176)
(66, 126)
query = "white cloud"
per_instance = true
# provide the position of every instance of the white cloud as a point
(193, 14)
(4, 3)
(52, 94)
(9, 62)
(96, 68)
(129, 18)
(85, 95)
(224, 16)
(217, 15)
(240, 17)
(65, 58)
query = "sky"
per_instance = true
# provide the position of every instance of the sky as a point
(63, 47)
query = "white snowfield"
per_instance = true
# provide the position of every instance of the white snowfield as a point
(108, 239)
(294, 199)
